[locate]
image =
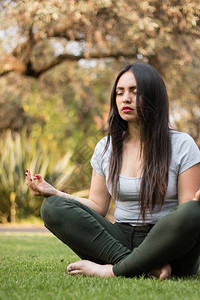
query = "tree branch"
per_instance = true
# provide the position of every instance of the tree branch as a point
(29, 71)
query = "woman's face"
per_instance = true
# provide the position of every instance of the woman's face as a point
(126, 92)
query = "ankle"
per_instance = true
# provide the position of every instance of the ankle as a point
(161, 273)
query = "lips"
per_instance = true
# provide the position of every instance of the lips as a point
(127, 109)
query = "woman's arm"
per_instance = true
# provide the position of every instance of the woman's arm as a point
(188, 183)
(99, 197)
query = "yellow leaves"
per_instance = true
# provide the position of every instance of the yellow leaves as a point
(26, 108)
(184, 16)
(147, 27)
(11, 63)
(146, 7)
(164, 6)
(191, 7)
(197, 43)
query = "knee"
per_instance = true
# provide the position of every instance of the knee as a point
(50, 209)
(46, 210)
(188, 216)
(185, 218)
(56, 210)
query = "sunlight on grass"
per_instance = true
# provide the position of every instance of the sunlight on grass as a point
(33, 266)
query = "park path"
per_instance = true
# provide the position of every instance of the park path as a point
(22, 228)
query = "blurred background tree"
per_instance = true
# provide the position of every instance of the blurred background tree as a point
(59, 59)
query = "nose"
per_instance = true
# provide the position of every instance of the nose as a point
(127, 97)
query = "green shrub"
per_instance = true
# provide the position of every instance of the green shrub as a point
(17, 153)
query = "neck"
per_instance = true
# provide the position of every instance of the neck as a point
(133, 131)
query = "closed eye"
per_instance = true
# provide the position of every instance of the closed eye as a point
(133, 90)
(120, 90)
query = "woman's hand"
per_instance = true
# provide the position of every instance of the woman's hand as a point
(42, 188)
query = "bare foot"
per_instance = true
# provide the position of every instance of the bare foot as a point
(88, 268)
(197, 196)
(162, 273)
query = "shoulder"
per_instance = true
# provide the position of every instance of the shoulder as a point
(179, 136)
(181, 141)
(185, 152)
(101, 146)
(100, 157)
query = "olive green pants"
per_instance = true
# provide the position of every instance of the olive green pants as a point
(132, 251)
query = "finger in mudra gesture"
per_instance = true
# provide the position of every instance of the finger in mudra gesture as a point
(38, 186)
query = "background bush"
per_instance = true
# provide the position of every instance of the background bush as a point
(16, 155)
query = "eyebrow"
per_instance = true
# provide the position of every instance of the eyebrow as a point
(121, 88)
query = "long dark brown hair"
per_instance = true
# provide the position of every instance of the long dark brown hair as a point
(153, 117)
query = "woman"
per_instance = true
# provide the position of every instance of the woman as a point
(152, 173)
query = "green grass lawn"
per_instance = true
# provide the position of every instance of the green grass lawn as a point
(34, 267)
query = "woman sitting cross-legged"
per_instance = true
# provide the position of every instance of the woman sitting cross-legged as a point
(153, 174)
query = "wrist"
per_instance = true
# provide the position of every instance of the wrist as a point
(57, 192)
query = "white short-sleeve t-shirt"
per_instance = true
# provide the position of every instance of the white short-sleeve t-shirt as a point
(185, 154)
